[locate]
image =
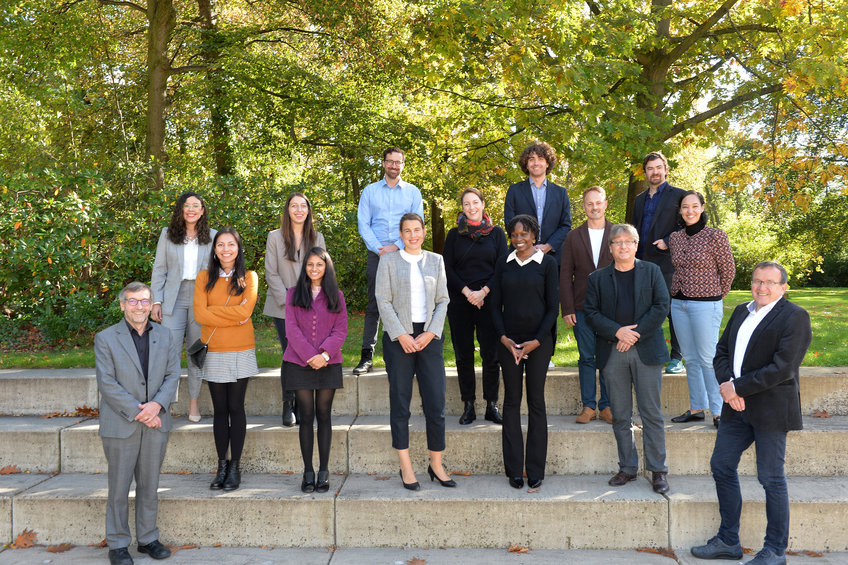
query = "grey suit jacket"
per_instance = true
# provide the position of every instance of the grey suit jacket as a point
(121, 382)
(168, 269)
(392, 291)
(280, 273)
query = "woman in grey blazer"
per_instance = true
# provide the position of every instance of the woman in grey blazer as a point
(412, 297)
(284, 254)
(183, 251)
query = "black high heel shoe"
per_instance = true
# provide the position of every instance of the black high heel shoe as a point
(323, 483)
(409, 486)
(447, 483)
(308, 483)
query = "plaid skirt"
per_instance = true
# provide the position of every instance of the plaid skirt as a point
(229, 366)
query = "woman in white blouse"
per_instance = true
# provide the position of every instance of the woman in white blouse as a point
(183, 251)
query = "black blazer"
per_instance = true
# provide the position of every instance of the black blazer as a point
(651, 308)
(769, 380)
(665, 222)
(556, 219)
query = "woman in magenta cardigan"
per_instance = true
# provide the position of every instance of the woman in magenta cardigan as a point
(316, 328)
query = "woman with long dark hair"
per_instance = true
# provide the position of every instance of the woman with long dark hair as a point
(284, 253)
(182, 252)
(316, 327)
(224, 297)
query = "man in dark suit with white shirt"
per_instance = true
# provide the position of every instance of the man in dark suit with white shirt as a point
(655, 213)
(538, 197)
(138, 368)
(757, 363)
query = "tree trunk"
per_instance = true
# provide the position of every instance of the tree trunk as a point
(161, 18)
(634, 187)
(438, 226)
(219, 130)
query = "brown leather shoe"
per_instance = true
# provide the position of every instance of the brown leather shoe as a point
(659, 482)
(621, 478)
(606, 415)
(586, 415)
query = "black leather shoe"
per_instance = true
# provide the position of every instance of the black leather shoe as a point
(120, 556)
(621, 478)
(659, 482)
(308, 482)
(715, 548)
(288, 413)
(365, 362)
(716, 420)
(155, 549)
(516, 482)
(493, 414)
(468, 414)
(409, 486)
(220, 475)
(433, 477)
(688, 416)
(233, 479)
(534, 483)
(323, 482)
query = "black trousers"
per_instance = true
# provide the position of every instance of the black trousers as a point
(464, 318)
(534, 371)
(428, 367)
(280, 326)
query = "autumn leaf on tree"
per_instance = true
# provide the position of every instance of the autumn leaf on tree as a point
(515, 548)
(61, 548)
(416, 561)
(10, 470)
(25, 540)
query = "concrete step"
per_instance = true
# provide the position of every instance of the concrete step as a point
(363, 445)
(33, 392)
(580, 512)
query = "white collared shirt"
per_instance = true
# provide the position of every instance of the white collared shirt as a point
(537, 256)
(746, 330)
(417, 291)
(190, 250)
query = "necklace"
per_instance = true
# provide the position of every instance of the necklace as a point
(190, 239)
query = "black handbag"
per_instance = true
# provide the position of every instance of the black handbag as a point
(198, 350)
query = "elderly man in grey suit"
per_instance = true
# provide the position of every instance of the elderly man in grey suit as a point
(138, 368)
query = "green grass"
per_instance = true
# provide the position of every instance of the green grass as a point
(828, 309)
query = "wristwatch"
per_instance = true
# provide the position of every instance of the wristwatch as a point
(326, 356)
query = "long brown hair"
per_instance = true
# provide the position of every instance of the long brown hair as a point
(238, 282)
(177, 227)
(309, 233)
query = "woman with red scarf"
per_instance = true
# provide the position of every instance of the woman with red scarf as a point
(471, 252)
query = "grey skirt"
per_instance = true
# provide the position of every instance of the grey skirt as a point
(229, 366)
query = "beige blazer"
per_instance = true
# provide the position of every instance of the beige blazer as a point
(280, 273)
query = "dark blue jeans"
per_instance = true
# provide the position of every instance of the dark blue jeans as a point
(585, 338)
(734, 436)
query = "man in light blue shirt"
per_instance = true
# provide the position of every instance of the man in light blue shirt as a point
(381, 206)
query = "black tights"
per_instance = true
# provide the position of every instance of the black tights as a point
(229, 422)
(312, 404)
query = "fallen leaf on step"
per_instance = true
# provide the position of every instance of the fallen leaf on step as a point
(183, 473)
(461, 473)
(86, 412)
(820, 414)
(61, 548)
(101, 544)
(25, 539)
(664, 551)
(176, 548)
(518, 549)
(415, 561)
(217, 544)
(806, 552)
(51, 415)
(382, 478)
(10, 470)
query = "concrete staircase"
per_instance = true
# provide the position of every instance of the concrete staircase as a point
(62, 493)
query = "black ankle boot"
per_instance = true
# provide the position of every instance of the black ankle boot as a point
(468, 414)
(493, 414)
(220, 475)
(233, 476)
(288, 413)
(365, 362)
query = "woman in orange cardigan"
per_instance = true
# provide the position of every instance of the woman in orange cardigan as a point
(224, 297)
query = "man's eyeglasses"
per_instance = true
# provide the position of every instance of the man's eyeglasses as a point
(393, 162)
(624, 243)
(135, 302)
(768, 284)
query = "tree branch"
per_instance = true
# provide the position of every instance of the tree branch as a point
(721, 108)
(593, 7)
(712, 69)
(700, 31)
(730, 30)
(132, 5)
(188, 69)
(485, 103)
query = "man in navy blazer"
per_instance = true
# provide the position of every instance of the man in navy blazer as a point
(655, 213)
(757, 363)
(540, 198)
(625, 305)
(138, 368)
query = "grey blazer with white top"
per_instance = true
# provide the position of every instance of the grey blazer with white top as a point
(168, 269)
(281, 273)
(393, 291)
